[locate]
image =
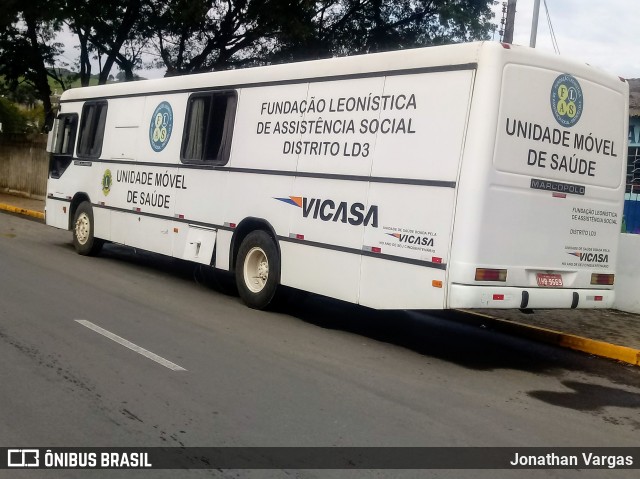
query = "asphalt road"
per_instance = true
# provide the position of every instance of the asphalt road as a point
(316, 373)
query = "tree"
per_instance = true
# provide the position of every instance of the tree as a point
(28, 49)
(114, 32)
(192, 36)
(204, 35)
(348, 27)
(23, 94)
(13, 122)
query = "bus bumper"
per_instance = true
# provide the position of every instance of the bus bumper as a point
(466, 296)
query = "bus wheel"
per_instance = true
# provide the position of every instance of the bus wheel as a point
(83, 240)
(257, 270)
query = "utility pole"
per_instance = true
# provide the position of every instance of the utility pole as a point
(511, 17)
(534, 24)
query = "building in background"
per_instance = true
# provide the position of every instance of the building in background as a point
(631, 222)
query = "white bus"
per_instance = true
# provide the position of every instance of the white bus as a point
(479, 175)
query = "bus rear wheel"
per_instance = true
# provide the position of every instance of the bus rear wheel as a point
(257, 270)
(83, 231)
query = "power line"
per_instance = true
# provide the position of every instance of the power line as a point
(554, 40)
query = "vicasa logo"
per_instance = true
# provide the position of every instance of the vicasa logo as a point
(412, 239)
(590, 257)
(329, 210)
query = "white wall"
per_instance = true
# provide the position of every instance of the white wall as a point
(627, 284)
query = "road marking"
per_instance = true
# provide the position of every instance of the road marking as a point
(128, 344)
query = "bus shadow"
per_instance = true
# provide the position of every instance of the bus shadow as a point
(437, 334)
(442, 335)
(157, 263)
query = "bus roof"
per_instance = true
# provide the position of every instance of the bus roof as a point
(441, 58)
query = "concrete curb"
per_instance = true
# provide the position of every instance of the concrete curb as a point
(557, 338)
(22, 211)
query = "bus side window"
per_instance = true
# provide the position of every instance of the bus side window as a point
(94, 115)
(65, 135)
(63, 144)
(209, 127)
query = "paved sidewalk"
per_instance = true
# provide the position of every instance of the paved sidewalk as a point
(610, 325)
(609, 333)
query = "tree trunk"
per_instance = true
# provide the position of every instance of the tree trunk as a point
(85, 61)
(128, 21)
(40, 77)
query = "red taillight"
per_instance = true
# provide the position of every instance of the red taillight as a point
(498, 297)
(602, 279)
(484, 274)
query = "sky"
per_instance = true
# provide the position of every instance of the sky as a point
(602, 33)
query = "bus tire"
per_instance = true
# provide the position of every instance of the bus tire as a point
(83, 229)
(257, 269)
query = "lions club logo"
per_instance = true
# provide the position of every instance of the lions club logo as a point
(107, 180)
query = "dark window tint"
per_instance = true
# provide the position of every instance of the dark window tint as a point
(209, 127)
(94, 115)
(64, 143)
(65, 134)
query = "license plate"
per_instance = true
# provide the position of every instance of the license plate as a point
(549, 280)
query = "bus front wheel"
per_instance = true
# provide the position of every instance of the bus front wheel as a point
(83, 231)
(257, 269)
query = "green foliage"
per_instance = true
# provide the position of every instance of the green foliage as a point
(28, 46)
(69, 79)
(346, 27)
(35, 118)
(191, 36)
(13, 122)
(205, 35)
(23, 93)
(114, 31)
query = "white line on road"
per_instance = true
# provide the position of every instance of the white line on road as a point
(128, 344)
